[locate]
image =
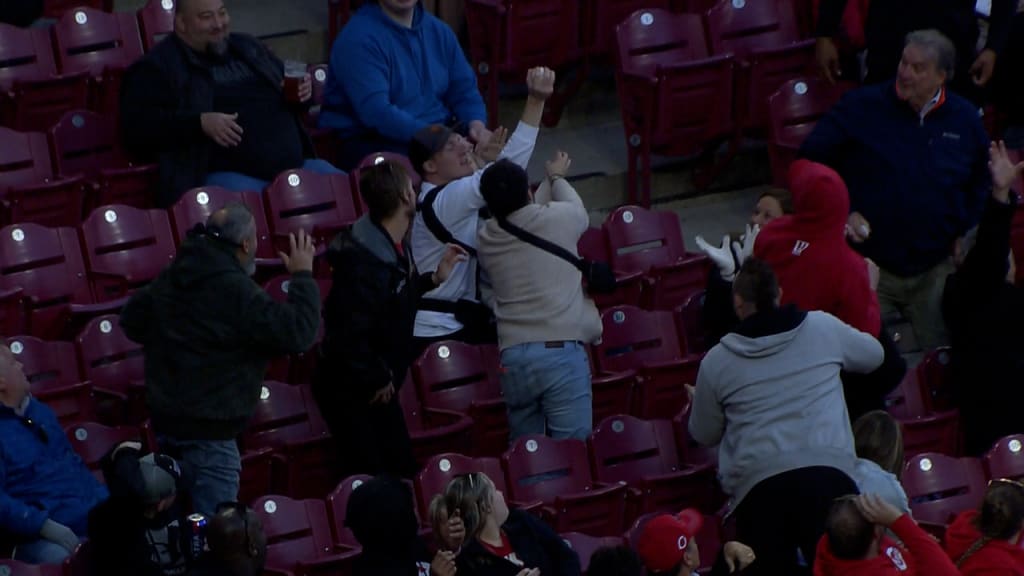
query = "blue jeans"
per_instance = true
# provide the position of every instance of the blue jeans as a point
(547, 390)
(240, 182)
(215, 466)
(40, 551)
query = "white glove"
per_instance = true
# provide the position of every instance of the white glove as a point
(722, 257)
(59, 534)
(744, 250)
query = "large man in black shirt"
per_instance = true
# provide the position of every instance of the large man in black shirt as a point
(208, 106)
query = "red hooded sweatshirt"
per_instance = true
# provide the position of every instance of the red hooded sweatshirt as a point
(996, 558)
(920, 555)
(817, 269)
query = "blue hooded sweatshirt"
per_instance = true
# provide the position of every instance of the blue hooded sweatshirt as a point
(41, 476)
(396, 80)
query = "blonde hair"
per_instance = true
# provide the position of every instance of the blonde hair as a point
(470, 495)
(877, 437)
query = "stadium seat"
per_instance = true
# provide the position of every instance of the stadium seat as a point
(613, 392)
(295, 368)
(455, 376)
(125, 248)
(793, 110)
(87, 143)
(940, 487)
(443, 468)
(299, 538)
(288, 421)
(644, 455)
(646, 341)
(508, 38)
(102, 44)
(935, 376)
(377, 158)
(765, 39)
(47, 265)
(650, 242)
(1005, 459)
(603, 16)
(676, 99)
(52, 370)
(557, 473)
(29, 191)
(115, 367)
(337, 506)
(433, 431)
(92, 441)
(156, 20)
(325, 140)
(32, 95)
(923, 430)
(690, 320)
(257, 477)
(320, 204)
(585, 545)
(593, 245)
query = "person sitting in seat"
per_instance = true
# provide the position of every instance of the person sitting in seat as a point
(987, 541)
(879, 444)
(46, 492)
(668, 547)
(209, 107)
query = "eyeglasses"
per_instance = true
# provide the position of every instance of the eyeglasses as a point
(243, 512)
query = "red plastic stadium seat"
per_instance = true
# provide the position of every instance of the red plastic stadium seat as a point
(92, 441)
(29, 191)
(690, 320)
(1005, 459)
(593, 245)
(115, 367)
(156, 20)
(299, 537)
(793, 110)
(431, 430)
(337, 505)
(52, 370)
(443, 468)
(320, 204)
(125, 248)
(935, 376)
(603, 16)
(923, 430)
(940, 487)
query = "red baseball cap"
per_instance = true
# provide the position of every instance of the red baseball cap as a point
(664, 539)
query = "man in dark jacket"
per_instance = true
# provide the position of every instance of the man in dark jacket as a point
(369, 315)
(985, 312)
(889, 22)
(913, 156)
(208, 332)
(209, 107)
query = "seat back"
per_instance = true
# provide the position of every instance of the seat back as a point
(541, 468)
(935, 376)
(24, 159)
(652, 38)
(108, 358)
(443, 468)
(639, 239)
(125, 247)
(84, 142)
(592, 245)
(627, 449)
(47, 264)
(284, 414)
(633, 337)
(605, 17)
(691, 324)
(297, 530)
(906, 400)
(741, 27)
(939, 486)
(46, 364)
(373, 160)
(156, 20)
(320, 204)
(26, 55)
(92, 441)
(90, 40)
(796, 106)
(197, 204)
(451, 375)
(1005, 459)
(337, 506)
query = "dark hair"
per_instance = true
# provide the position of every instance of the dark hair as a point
(782, 196)
(1000, 515)
(877, 437)
(757, 284)
(505, 187)
(382, 187)
(615, 561)
(849, 533)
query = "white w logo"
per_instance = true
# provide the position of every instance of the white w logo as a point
(799, 247)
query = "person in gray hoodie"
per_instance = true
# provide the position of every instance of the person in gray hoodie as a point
(769, 394)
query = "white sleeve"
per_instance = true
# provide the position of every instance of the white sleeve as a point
(519, 147)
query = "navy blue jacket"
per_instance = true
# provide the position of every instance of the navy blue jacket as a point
(920, 184)
(41, 477)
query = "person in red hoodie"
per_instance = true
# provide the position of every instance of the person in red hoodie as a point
(818, 270)
(987, 542)
(855, 544)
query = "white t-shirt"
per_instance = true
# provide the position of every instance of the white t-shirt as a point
(457, 207)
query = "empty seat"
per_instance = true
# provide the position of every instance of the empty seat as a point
(125, 248)
(156, 20)
(939, 487)
(604, 16)
(557, 473)
(613, 393)
(455, 376)
(690, 319)
(1005, 459)
(935, 377)
(115, 367)
(29, 191)
(299, 537)
(320, 204)
(793, 110)
(923, 430)
(593, 245)
(92, 441)
(431, 430)
(675, 98)
(644, 455)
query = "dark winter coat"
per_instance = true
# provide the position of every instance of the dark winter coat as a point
(533, 542)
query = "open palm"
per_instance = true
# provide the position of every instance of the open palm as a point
(1003, 170)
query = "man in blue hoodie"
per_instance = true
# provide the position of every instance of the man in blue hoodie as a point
(395, 69)
(915, 159)
(46, 492)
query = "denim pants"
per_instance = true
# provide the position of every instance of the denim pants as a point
(547, 389)
(40, 551)
(240, 182)
(215, 466)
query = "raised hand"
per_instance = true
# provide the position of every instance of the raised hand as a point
(558, 166)
(540, 82)
(1003, 170)
(743, 250)
(490, 148)
(857, 228)
(876, 510)
(301, 253)
(722, 257)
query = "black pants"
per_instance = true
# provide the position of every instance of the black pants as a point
(786, 512)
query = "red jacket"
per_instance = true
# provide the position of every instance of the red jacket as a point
(996, 558)
(817, 269)
(920, 555)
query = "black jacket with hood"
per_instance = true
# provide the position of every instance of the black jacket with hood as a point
(534, 543)
(381, 514)
(208, 332)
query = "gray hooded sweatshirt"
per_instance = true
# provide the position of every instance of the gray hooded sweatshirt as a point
(770, 395)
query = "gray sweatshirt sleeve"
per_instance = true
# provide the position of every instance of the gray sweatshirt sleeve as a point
(707, 420)
(860, 352)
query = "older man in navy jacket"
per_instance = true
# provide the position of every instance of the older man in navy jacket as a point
(914, 157)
